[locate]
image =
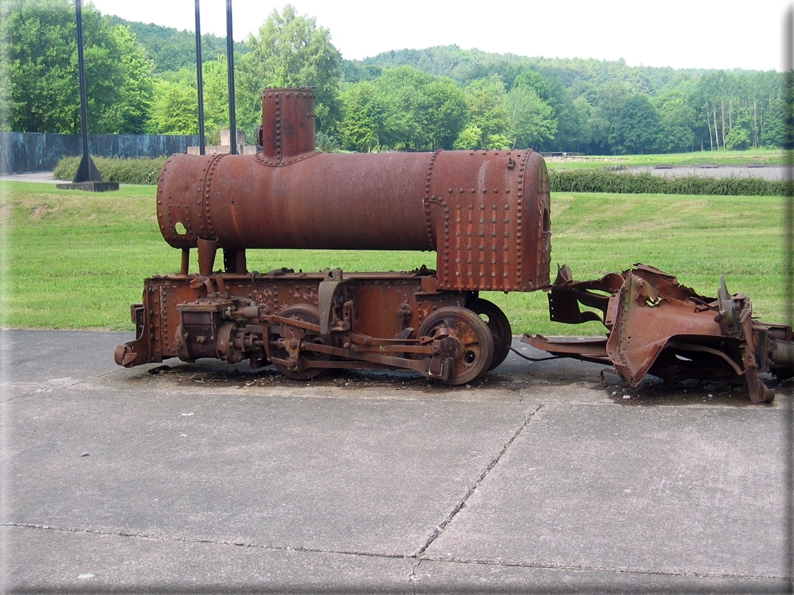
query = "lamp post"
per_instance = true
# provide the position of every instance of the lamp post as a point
(87, 176)
(230, 65)
(199, 81)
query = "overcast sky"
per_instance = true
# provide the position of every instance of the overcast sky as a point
(679, 33)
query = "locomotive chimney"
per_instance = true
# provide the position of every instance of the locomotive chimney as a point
(287, 123)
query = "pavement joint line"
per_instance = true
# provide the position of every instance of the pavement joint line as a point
(586, 568)
(412, 575)
(440, 528)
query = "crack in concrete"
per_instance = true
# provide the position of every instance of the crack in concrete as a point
(412, 580)
(412, 577)
(440, 528)
(167, 538)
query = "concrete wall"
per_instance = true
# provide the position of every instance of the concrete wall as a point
(38, 151)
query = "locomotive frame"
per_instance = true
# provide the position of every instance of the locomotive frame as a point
(304, 323)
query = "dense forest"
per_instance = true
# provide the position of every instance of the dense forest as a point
(169, 49)
(142, 78)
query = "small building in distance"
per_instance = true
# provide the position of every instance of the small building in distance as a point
(226, 145)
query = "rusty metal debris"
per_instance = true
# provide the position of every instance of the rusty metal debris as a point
(660, 327)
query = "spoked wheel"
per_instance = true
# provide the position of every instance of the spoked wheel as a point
(305, 313)
(464, 338)
(499, 326)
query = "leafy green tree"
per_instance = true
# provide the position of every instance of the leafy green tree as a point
(676, 122)
(738, 139)
(216, 102)
(469, 138)
(534, 81)
(715, 92)
(426, 113)
(446, 112)
(137, 89)
(773, 131)
(488, 114)
(371, 118)
(595, 126)
(569, 135)
(600, 107)
(174, 109)
(635, 131)
(40, 45)
(291, 50)
(530, 119)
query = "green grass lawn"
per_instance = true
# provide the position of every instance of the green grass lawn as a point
(77, 259)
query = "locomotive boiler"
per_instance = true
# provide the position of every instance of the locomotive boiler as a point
(486, 216)
(484, 213)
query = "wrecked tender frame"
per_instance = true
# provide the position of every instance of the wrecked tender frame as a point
(658, 326)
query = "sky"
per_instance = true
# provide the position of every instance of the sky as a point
(723, 34)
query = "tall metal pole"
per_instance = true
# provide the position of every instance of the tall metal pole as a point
(230, 65)
(788, 145)
(87, 171)
(199, 80)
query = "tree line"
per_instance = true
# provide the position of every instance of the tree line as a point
(142, 78)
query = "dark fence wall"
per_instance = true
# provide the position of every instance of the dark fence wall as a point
(39, 151)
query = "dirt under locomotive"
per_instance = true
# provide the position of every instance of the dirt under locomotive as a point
(484, 213)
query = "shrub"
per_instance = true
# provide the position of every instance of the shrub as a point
(140, 170)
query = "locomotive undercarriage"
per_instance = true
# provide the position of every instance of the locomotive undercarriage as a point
(305, 323)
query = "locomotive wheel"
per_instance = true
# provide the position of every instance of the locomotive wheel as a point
(499, 326)
(465, 337)
(305, 313)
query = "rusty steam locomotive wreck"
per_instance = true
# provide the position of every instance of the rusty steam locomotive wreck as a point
(484, 213)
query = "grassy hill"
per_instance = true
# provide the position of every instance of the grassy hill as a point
(171, 49)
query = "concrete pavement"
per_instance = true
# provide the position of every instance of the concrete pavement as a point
(36, 176)
(200, 478)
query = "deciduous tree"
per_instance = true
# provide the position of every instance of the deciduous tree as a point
(174, 109)
(39, 40)
(430, 110)
(371, 118)
(676, 122)
(488, 114)
(291, 50)
(635, 129)
(530, 119)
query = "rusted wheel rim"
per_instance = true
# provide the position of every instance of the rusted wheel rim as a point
(500, 329)
(304, 313)
(465, 338)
